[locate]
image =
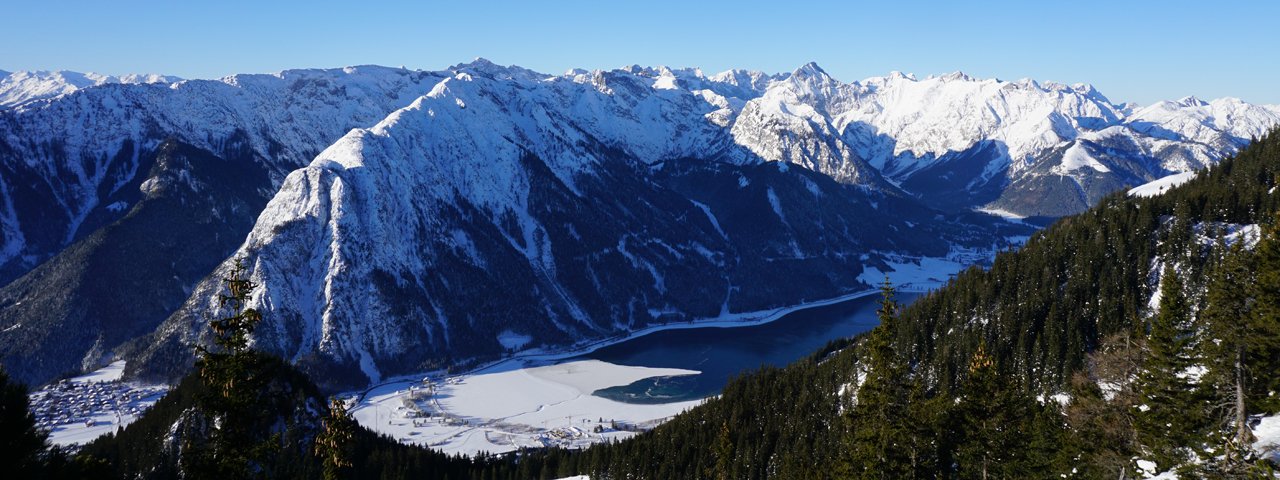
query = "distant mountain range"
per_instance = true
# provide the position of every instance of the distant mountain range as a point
(400, 220)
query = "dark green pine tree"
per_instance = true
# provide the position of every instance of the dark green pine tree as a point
(335, 444)
(876, 422)
(993, 421)
(1168, 419)
(1263, 336)
(1228, 306)
(723, 452)
(926, 434)
(226, 446)
(1241, 314)
(22, 445)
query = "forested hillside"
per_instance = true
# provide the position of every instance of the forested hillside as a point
(1061, 359)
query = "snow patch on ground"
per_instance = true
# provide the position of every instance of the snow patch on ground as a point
(109, 373)
(1162, 185)
(710, 216)
(916, 274)
(513, 341)
(1147, 466)
(1268, 437)
(776, 204)
(514, 404)
(1077, 157)
(1005, 214)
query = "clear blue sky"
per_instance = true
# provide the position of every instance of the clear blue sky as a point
(1131, 50)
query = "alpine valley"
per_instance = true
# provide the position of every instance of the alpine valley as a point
(397, 221)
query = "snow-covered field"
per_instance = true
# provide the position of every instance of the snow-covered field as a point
(1159, 186)
(514, 404)
(80, 409)
(922, 274)
(1002, 213)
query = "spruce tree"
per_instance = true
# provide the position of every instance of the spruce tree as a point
(992, 422)
(723, 453)
(335, 443)
(228, 446)
(876, 421)
(22, 445)
(1227, 307)
(1263, 340)
(925, 431)
(1167, 419)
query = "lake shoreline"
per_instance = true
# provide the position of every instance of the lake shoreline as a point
(537, 356)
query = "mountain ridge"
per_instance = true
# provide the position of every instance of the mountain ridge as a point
(76, 163)
(396, 211)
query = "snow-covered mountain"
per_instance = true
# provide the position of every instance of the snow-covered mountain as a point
(1025, 147)
(591, 202)
(18, 89)
(571, 208)
(116, 200)
(65, 162)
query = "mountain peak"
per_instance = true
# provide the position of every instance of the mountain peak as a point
(478, 62)
(810, 70)
(1191, 101)
(896, 75)
(486, 68)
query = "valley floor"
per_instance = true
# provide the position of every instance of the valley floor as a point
(80, 409)
(535, 400)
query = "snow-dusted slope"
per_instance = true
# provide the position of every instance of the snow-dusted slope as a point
(927, 119)
(1225, 123)
(794, 122)
(62, 160)
(562, 210)
(1162, 185)
(1026, 147)
(17, 89)
(482, 164)
(955, 141)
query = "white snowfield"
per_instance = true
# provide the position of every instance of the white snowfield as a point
(513, 405)
(80, 409)
(923, 274)
(18, 89)
(1161, 185)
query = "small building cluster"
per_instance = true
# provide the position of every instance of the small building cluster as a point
(70, 402)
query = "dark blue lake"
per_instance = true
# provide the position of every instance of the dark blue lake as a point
(721, 353)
